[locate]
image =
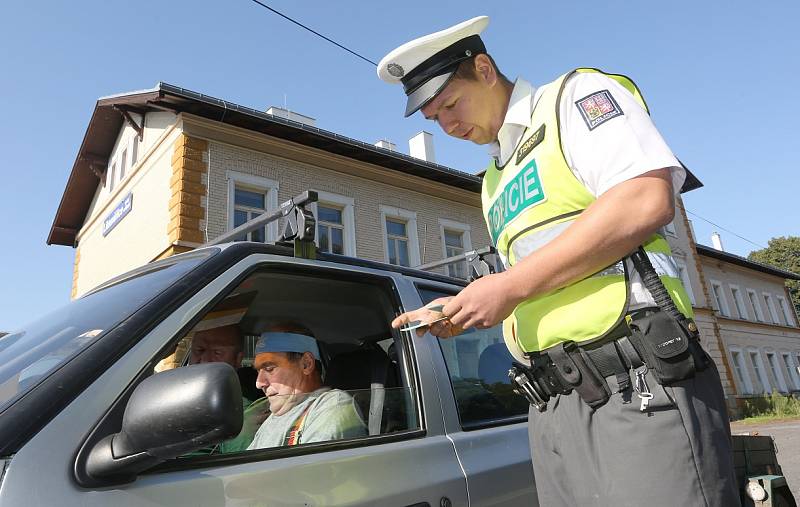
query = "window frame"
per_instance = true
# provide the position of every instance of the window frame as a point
(753, 297)
(445, 290)
(740, 370)
(774, 367)
(722, 300)
(788, 316)
(466, 240)
(791, 369)
(253, 183)
(771, 310)
(738, 302)
(760, 370)
(410, 218)
(683, 272)
(347, 205)
(407, 356)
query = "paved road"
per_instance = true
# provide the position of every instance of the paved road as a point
(787, 440)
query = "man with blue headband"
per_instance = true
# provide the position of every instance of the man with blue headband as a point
(302, 409)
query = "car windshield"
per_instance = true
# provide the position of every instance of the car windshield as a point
(29, 355)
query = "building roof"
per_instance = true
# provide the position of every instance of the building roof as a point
(107, 119)
(708, 251)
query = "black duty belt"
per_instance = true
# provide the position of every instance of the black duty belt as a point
(569, 366)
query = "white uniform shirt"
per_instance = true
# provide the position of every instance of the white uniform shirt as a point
(613, 151)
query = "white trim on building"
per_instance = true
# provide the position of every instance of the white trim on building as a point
(768, 302)
(788, 316)
(740, 371)
(410, 219)
(464, 230)
(738, 302)
(774, 366)
(753, 297)
(258, 184)
(683, 271)
(718, 296)
(347, 205)
(757, 364)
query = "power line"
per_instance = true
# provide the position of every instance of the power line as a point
(724, 229)
(313, 31)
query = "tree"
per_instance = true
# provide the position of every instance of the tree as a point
(784, 253)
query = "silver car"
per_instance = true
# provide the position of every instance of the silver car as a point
(98, 407)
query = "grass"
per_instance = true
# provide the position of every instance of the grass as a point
(770, 408)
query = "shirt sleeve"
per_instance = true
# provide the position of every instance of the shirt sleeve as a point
(608, 137)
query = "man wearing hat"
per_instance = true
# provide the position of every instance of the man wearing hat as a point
(626, 407)
(302, 410)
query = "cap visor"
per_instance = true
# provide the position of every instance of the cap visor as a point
(425, 93)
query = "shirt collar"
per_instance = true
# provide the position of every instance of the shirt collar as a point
(520, 104)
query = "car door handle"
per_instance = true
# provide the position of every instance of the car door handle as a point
(421, 504)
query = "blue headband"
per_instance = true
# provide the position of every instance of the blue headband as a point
(287, 342)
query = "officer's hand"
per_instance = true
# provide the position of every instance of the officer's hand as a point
(483, 303)
(439, 328)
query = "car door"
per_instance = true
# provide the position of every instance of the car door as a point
(485, 419)
(415, 467)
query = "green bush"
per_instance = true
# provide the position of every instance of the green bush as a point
(775, 405)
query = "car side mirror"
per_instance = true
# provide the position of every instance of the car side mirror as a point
(169, 414)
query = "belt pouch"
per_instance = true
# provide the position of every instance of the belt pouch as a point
(665, 346)
(580, 373)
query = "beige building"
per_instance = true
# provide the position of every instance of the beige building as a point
(165, 170)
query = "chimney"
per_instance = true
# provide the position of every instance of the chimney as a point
(386, 145)
(291, 115)
(716, 240)
(421, 146)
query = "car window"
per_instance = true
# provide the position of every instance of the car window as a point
(478, 363)
(29, 355)
(361, 383)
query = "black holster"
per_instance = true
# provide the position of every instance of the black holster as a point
(580, 373)
(670, 346)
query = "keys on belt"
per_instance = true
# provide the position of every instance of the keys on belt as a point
(538, 383)
(525, 385)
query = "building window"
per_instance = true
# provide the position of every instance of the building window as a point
(738, 301)
(787, 314)
(791, 368)
(455, 241)
(123, 161)
(687, 283)
(111, 175)
(719, 298)
(761, 375)
(330, 228)
(741, 372)
(397, 241)
(773, 313)
(248, 197)
(134, 150)
(751, 295)
(772, 359)
(400, 236)
(335, 223)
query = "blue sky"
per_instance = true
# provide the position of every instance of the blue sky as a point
(720, 78)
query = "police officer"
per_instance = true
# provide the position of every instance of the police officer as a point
(627, 408)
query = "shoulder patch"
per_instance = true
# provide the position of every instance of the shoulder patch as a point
(532, 142)
(598, 108)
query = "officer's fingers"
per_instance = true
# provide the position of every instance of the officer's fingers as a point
(405, 318)
(451, 308)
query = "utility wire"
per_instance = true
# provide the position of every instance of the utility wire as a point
(724, 229)
(313, 31)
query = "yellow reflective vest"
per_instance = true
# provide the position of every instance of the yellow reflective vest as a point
(529, 202)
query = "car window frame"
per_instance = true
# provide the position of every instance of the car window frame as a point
(304, 268)
(456, 422)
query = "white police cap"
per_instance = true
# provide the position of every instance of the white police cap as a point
(425, 65)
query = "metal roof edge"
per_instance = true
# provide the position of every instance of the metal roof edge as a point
(708, 251)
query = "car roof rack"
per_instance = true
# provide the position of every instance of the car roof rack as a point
(477, 262)
(299, 229)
